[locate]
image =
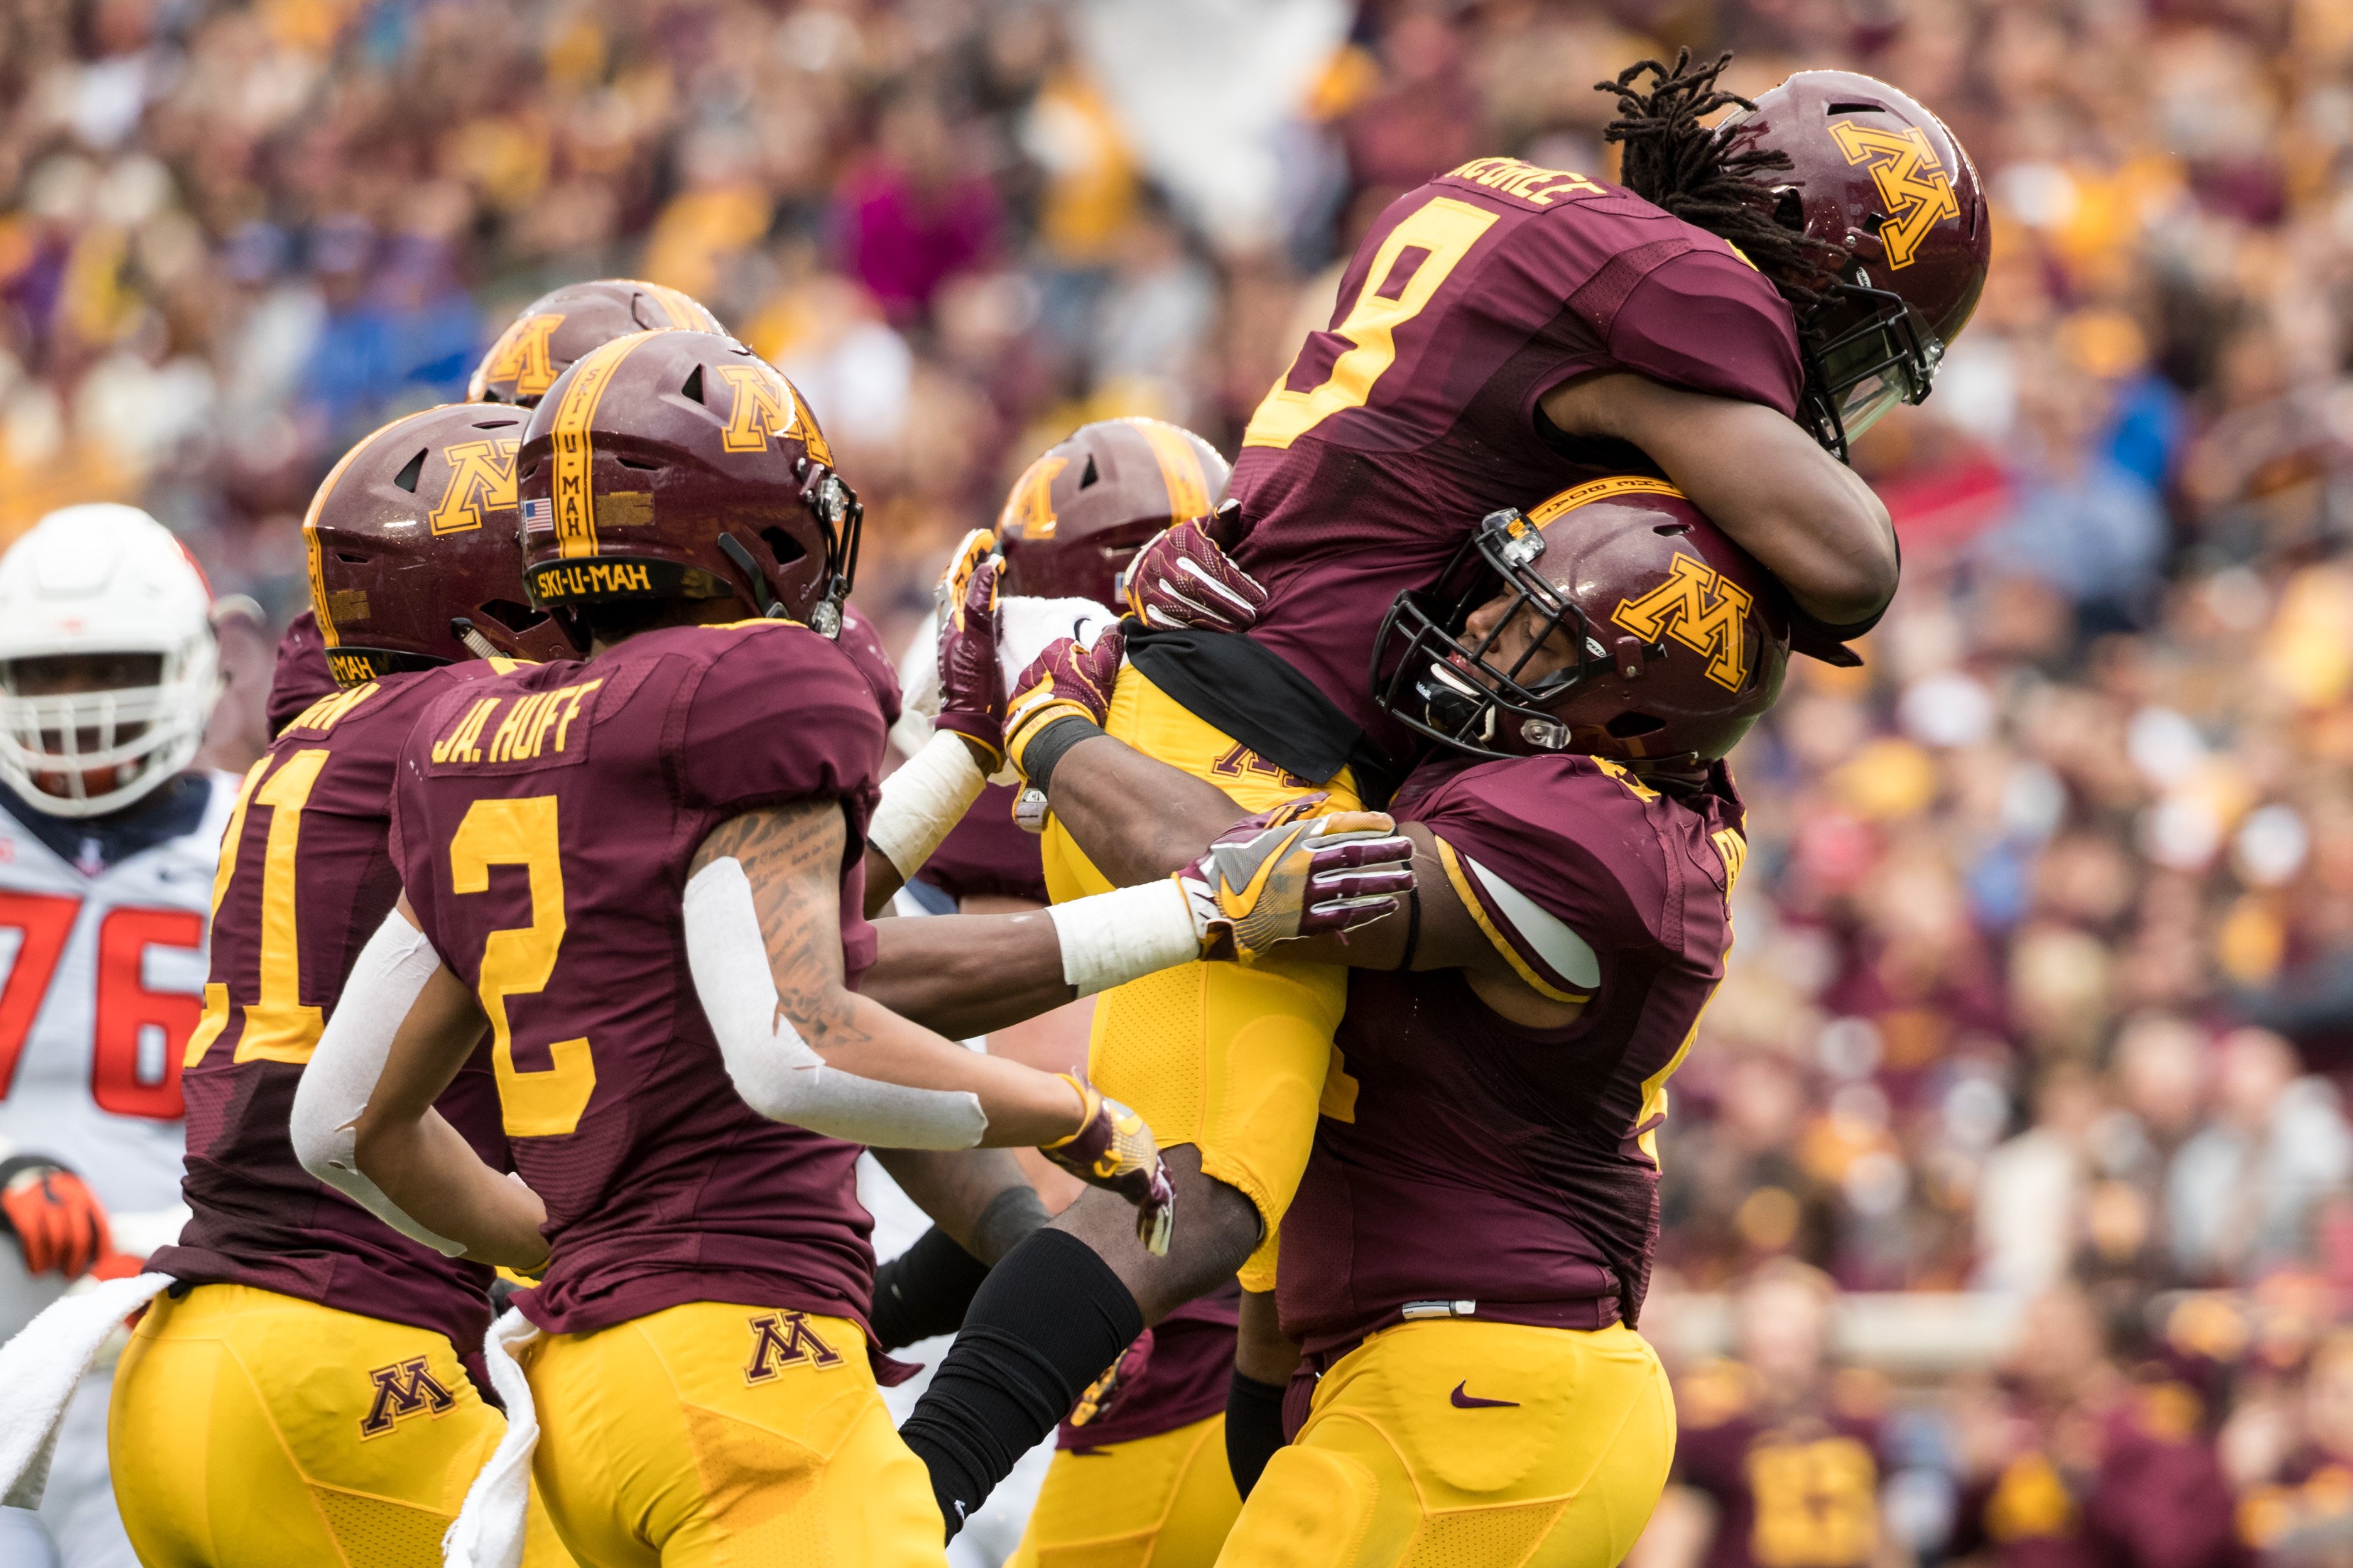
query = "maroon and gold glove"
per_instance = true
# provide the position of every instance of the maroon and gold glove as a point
(1285, 874)
(1104, 1391)
(1065, 681)
(1114, 1150)
(972, 686)
(59, 1221)
(1183, 579)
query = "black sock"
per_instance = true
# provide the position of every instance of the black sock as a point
(1253, 1428)
(1047, 1321)
(924, 1290)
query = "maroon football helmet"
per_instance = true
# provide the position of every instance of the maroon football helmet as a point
(1876, 175)
(559, 326)
(1077, 516)
(414, 556)
(1613, 620)
(680, 465)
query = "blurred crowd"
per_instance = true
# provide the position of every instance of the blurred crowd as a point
(2044, 980)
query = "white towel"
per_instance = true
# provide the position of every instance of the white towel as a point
(40, 1368)
(488, 1532)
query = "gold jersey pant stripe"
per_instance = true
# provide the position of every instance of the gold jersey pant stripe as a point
(1232, 1060)
(254, 1430)
(1469, 1444)
(716, 1436)
(1164, 1501)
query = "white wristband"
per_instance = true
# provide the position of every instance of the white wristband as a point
(1110, 939)
(923, 800)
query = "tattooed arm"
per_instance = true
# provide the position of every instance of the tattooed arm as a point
(791, 857)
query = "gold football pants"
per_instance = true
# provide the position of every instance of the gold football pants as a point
(712, 1435)
(1231, 1059)
(1454, 1445)
(1164, 1501)
(256, 1430)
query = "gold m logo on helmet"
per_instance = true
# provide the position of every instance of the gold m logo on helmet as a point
(1913, 185)
(1699, 610)
(1030, 511)
(481, 474)
(765, 406)
(521, 355)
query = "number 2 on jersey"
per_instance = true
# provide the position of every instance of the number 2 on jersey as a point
(518, 960)
(1443, 231)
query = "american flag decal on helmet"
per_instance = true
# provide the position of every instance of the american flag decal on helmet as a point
(539, 515)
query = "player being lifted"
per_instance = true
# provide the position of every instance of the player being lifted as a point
(108, 674)
(1468, 1251)
(643, 873)
(1757, 293)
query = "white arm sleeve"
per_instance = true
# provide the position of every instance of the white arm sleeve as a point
(775, 1070)
(342, 1072)
(923, 801)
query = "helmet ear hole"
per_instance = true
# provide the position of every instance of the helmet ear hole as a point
(693, 387)
(1626, 726)
(1091, 475)
(1666, 528)
(513, 617)
(408, 476)
(782, 545)
(1789, 210)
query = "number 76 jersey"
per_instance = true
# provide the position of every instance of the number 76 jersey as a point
(101, 979)
(1415, 414)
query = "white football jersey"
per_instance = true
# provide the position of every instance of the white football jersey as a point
(104, 973)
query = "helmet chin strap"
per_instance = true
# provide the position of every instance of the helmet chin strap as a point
(767, 604)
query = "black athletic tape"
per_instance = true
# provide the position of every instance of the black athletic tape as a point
(1253, 1428)
(1040, 755)
(924, 1290)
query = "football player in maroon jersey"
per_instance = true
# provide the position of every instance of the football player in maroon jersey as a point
(653, 856)
(1723, 323)
(303, 1334)
(1469, 1246)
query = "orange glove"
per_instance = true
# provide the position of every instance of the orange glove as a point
(56, 1219)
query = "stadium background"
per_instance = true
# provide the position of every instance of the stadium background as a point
(2045, 972)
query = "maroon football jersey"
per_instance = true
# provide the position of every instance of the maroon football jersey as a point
(1414, 415)
(301, 676)
(1184, 1379)
(862, 641)
(543, 823)
(1793, 1488)
(306, 878)
(1461, 1158)
(987, 852)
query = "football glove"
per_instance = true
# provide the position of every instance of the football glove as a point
(56, 1219)
(1285, 874)
(1114, 1150)
(1100, 1394)
(972, 686)
(1182, 579)
(1066, 681)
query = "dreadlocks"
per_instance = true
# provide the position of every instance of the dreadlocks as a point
(1691, 169)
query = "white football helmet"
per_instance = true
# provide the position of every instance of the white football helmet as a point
(102, 579)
